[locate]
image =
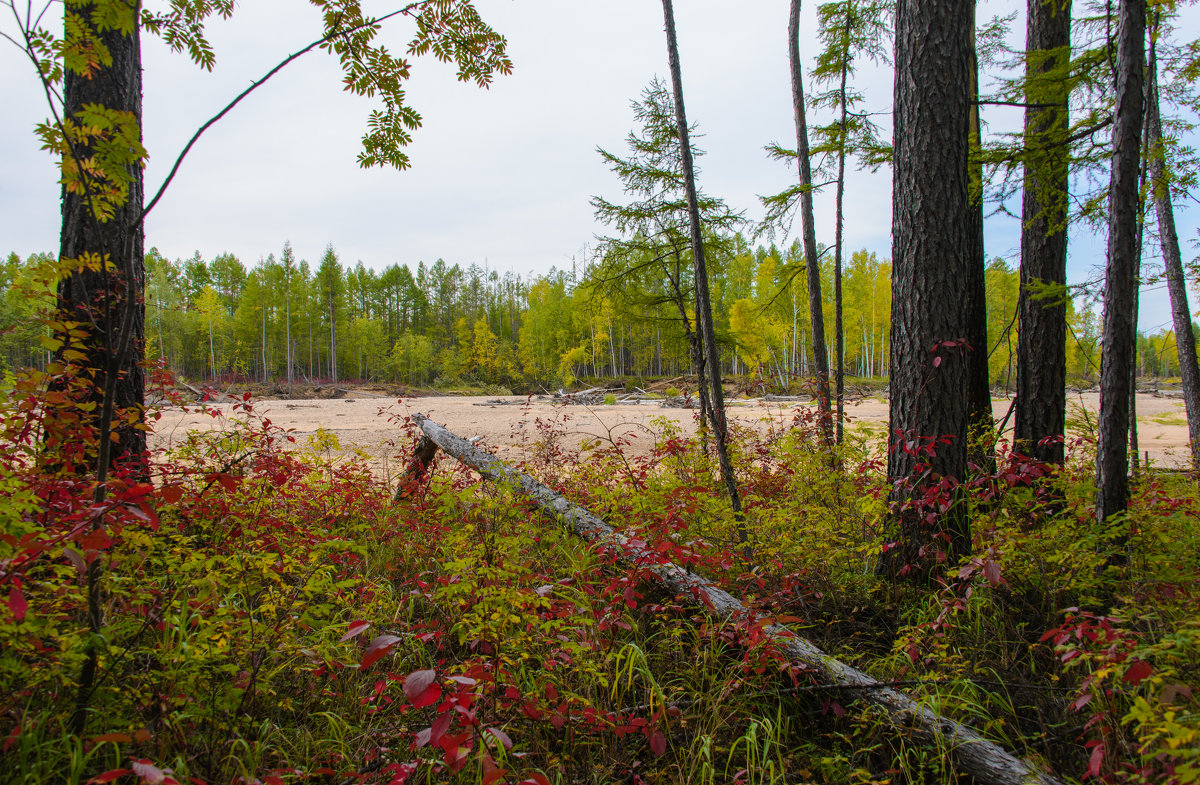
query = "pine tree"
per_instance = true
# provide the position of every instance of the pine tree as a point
(931, 250)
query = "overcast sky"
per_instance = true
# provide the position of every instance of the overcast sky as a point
(502, 176)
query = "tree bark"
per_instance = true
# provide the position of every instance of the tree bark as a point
(979, 389)
(972, 754)
(811, 265)
(1112, 460)
(932, 249)
(1041, 400)
(1185, 340)
(108, 303)
(703, 302)
(838, 238)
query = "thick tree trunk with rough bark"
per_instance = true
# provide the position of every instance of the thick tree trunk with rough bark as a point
(812, 267)
(108, 302)
(971, 753)
(932, 249)
(1181, 317)
(1042, 313)
(1116, 359)
(703, 302)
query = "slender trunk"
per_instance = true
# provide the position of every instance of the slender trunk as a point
(704, 308)
(812, 267)
(979, 392)
(1185, 340)
(838, 228)
(1112, 460)
(287, 321)
(1041, 401)
(212, 351)
(1143, 172)
(264, 335)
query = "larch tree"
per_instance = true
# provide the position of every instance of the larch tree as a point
(653, 229)
(1040, 417)
(849, 29)
(808, 227)
(1161, 182)
(1117, 353)
(932, 248)
(330, 289)
(703, 302)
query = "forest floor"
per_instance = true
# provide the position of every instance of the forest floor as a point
(360, 421)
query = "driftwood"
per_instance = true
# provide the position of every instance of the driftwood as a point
(346, 391)
(200, 394)
(974, 755)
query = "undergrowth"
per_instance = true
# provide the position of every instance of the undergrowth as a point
(271, 615)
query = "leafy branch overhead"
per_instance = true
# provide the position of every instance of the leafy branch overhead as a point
(98, 149)
(450, 30)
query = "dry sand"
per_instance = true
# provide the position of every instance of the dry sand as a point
(362, 422)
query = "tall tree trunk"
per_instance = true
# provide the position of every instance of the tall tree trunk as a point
(1112, 460)
(1041, 401)
(108, 303)
(979, 390)
(931, 252)
(838, 237)
(104, 295)
(813, 269)
(1185, 340)
(703, 303)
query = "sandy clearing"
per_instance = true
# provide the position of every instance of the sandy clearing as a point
(362, 422)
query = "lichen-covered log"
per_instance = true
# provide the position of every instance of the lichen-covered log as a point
(974, 755)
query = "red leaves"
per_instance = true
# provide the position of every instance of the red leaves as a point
(658, 743)
(151, 774)
(355, 629)
(226, 481)
(433, 734)
(16, 601)
(1137, 672)
(1096, 761)
(493, 775)
(147, 772)
(421, 688)
(377, 648)
(171, 494)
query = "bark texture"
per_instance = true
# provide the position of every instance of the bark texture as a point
(1181, 317)
(1116, 358)
(108, 303)
(932, 249)
(812, 268)
(972, 754)
(979, 389)
(1041, 400)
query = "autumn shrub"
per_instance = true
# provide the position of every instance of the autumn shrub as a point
(273, 614)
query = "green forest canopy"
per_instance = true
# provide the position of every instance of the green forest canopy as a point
(443, 325)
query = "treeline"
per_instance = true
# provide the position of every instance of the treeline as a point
(444, 325)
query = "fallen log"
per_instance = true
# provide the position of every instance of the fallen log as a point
(974, 755)
(200, 394)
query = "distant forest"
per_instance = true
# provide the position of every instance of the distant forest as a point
(445, 326)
